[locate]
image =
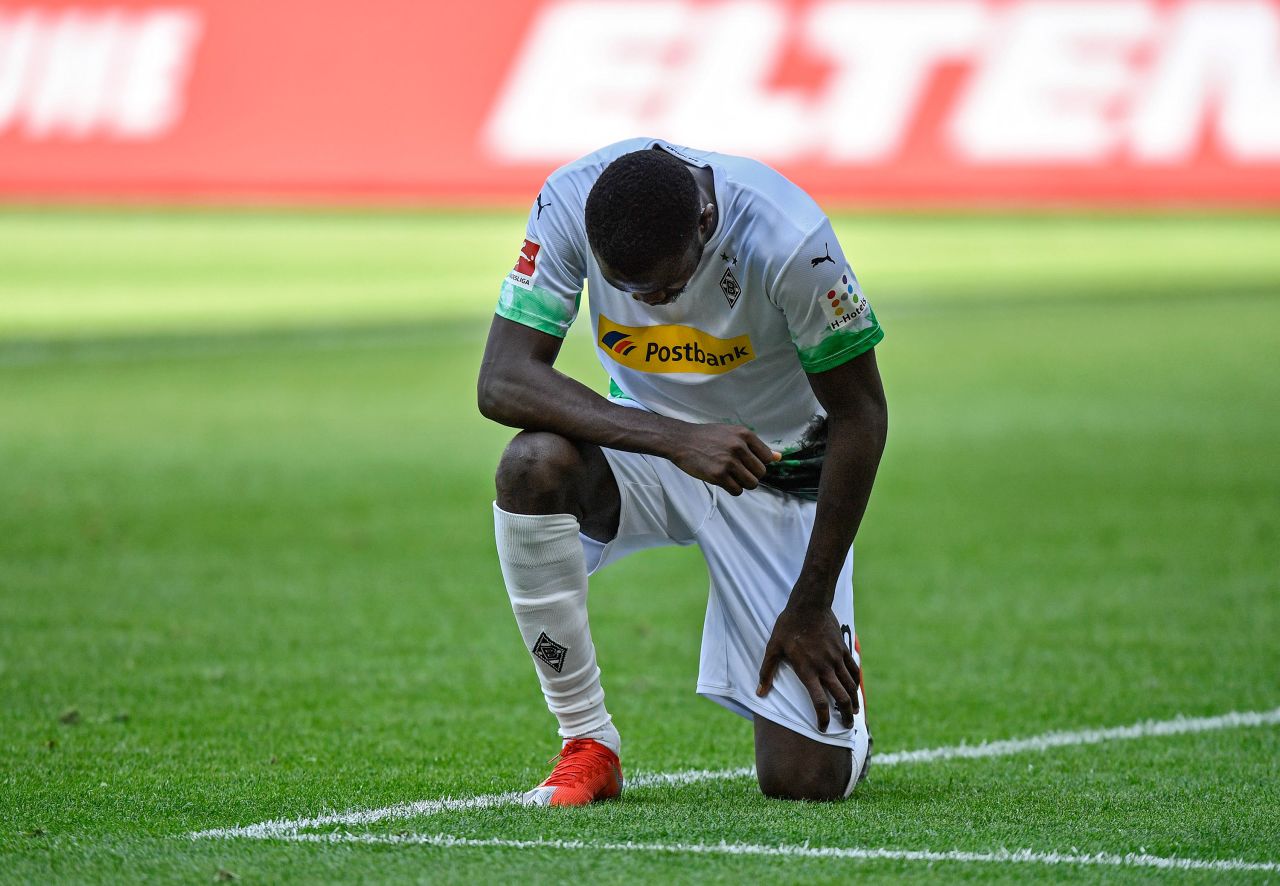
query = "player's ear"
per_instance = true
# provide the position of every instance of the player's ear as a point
(706, 221)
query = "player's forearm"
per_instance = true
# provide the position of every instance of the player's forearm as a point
(536, 397)
(854, 445)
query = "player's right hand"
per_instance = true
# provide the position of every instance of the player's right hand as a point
(728, 456)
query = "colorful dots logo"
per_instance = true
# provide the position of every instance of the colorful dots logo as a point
(835, 302)
(848, 289)
(844, 297)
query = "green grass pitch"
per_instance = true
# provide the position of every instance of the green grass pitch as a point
(247, 573)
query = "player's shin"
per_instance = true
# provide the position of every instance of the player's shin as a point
(546, 577)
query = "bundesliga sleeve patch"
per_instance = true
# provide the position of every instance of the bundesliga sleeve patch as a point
(526, 265)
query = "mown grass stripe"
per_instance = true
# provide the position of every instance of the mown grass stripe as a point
(285, 829)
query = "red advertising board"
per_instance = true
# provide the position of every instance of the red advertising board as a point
(861, 101)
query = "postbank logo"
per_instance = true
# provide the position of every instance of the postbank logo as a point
(672, 348)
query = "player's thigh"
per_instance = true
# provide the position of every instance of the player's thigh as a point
(599, 500)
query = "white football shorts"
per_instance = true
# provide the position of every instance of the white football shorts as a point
(754, 545)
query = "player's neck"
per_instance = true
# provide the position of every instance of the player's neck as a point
(707, 191)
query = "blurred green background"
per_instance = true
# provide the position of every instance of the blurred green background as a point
(246, 565)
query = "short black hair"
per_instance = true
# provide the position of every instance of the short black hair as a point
(642, 210)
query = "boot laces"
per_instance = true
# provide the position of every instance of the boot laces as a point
(578, 760)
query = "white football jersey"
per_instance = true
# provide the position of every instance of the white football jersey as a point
(773, 298)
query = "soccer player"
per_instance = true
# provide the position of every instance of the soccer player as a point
(745, 415)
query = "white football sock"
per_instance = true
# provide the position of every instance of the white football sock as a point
(607, 735)
(546, 577)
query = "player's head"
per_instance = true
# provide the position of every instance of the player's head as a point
(646, 225)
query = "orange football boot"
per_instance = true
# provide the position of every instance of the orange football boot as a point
(587, 771)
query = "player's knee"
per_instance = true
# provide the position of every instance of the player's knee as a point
(799, 781)
(537, 473)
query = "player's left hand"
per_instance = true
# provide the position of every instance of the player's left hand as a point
(810, 639)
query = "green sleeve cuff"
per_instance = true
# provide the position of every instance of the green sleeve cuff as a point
(840, 348)
(531, 320)
(537, 308)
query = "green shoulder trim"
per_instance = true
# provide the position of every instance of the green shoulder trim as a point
(841, 348)
(537, 308)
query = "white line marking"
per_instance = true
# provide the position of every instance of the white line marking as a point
(687, 776)
(269, 830)
(285, 829)
(1003, 856)
(1144, 729)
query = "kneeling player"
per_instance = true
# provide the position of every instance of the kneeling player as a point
(745, 416)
